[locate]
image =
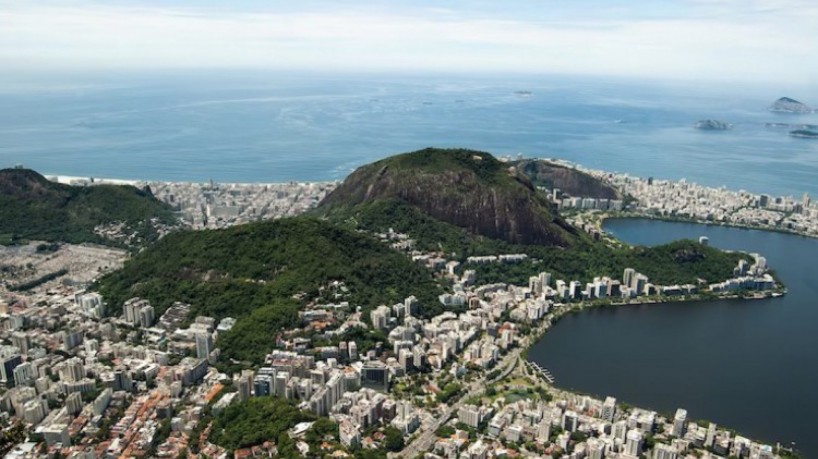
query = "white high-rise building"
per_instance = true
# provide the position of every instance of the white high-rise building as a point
(620, 430)
(352, 348)
(380, 317)
(761, 262)
(22, 341)
(71, 370)
(73, 403)
(663, 451)
(23, 374)
(469, 415)
(204, 345)
(627, 276)
(638, 283)
(147, 316)
(633, 443)
(545, 280)
(679, 423)
(595, 448)
(535, 286)
(35, 410)
(91, 304)
(710, 439)
(608, 409)
(131, 310)
(562, 289)
(600, 289)
(575, 290)
(410, 305)
(570, 421)
(544, 430)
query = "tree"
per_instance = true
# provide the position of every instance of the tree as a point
(394, 439)
(445, 431)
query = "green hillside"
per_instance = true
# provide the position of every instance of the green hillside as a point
(34, 208)
(252, 272)
(261, 419)
(675, 263)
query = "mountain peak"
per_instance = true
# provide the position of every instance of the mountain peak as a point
(25, 184)
(467, 188)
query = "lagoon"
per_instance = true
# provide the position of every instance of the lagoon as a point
(751, 365)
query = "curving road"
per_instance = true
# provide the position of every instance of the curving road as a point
(424, 441)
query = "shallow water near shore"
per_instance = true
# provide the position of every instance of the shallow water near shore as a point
(751, 365)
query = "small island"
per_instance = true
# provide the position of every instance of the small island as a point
(787, 105)
(804, 134)
(712, 125)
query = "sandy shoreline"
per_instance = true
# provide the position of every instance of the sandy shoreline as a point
(76, 180)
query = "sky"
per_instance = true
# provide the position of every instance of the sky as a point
(695, 40)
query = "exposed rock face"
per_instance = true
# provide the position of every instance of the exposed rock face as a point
(27, 184)
(787, 105)
(571, 181)
(470, 189)
(712, 125)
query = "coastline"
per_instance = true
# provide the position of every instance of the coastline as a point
(648, 216)
(556, 388)
(74, 180)
(539, 332)
(596, 391)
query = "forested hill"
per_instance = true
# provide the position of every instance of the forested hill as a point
(252, 273)
(467, 203)
(34, 208)
(469, 189)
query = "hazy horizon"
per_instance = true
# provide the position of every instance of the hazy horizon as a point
(758, 42)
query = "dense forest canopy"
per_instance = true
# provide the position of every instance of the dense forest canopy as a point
(34, 208)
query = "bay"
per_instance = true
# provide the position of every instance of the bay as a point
(751, 365)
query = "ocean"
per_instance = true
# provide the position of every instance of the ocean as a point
(254, 127)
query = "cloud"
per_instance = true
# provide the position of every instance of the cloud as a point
(710, 39)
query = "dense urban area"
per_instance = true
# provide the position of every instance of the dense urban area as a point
(683, 200)
(83, 380)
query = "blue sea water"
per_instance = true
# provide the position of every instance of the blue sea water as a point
(269, 128)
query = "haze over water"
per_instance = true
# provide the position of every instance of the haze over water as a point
(272, 128)
(744, 364)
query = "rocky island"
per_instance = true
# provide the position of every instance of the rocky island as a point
(787, 105)
(712, 125)
(804, 134)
